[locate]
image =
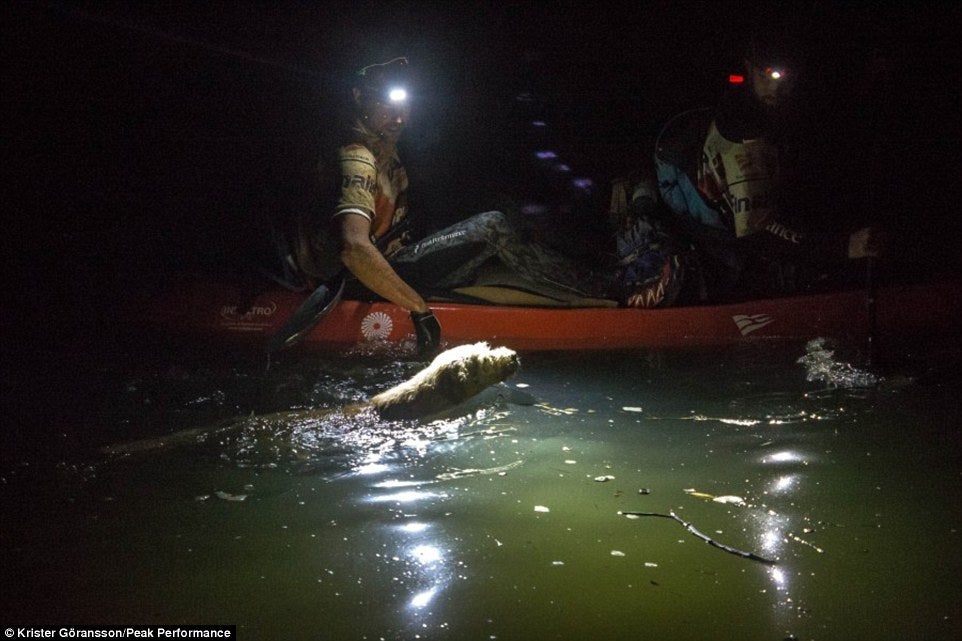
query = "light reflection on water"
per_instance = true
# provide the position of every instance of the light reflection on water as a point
(785, 456)
(358, 528)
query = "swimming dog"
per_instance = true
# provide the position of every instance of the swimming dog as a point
(453, 377)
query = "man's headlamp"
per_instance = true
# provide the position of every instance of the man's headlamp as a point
(774, 55)
(385, 82)
(775, 73)
(397, 95)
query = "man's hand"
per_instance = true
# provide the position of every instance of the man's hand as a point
(864, 243)
(428, 330)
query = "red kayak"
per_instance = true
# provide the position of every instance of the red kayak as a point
(232, 312)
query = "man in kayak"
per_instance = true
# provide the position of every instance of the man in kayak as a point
(372, 187)
(722, 172)
(371, 207)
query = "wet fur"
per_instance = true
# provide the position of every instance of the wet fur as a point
(453, 377)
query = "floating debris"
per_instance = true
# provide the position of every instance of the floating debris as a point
(541, 508)
(649, 564)
(644, 490)
(630, 408)
(230, 497)
(472, 471)
(555, 411)
(606, 477)
(617, 553)
(728, 498)
(704, 537)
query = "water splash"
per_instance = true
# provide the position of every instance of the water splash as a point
(821, 366)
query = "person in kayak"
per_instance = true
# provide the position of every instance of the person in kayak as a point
(722, 172)
(371, 199)
(371, 207)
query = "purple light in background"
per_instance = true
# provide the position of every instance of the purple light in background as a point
(583, 183)
(563, 168)
(545, 155)
(539, 123)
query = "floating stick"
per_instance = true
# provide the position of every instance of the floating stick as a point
(704, 537)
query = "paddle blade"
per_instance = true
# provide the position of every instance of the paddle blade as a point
(305, 317)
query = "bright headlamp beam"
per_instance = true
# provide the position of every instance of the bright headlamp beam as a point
(397, 95)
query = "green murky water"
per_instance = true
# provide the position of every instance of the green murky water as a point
(502, 524)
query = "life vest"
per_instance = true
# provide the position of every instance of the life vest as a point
(742, 177)
(718, 182)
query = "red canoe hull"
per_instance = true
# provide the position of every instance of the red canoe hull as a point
(234, 313)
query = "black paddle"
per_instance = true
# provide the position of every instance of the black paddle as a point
(321, 301)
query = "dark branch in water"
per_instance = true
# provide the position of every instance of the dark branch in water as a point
(704, 537)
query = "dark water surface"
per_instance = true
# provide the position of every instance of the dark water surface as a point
(503, 523)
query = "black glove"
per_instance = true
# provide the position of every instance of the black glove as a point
(428, 330)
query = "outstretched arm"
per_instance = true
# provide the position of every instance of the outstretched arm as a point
(370, 267)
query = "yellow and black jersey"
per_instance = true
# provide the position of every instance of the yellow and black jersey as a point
(742, 174)
(371, 188)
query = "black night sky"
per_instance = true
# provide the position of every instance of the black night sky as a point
(142, 138)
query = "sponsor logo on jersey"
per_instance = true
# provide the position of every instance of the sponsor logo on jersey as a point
(366, 183)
